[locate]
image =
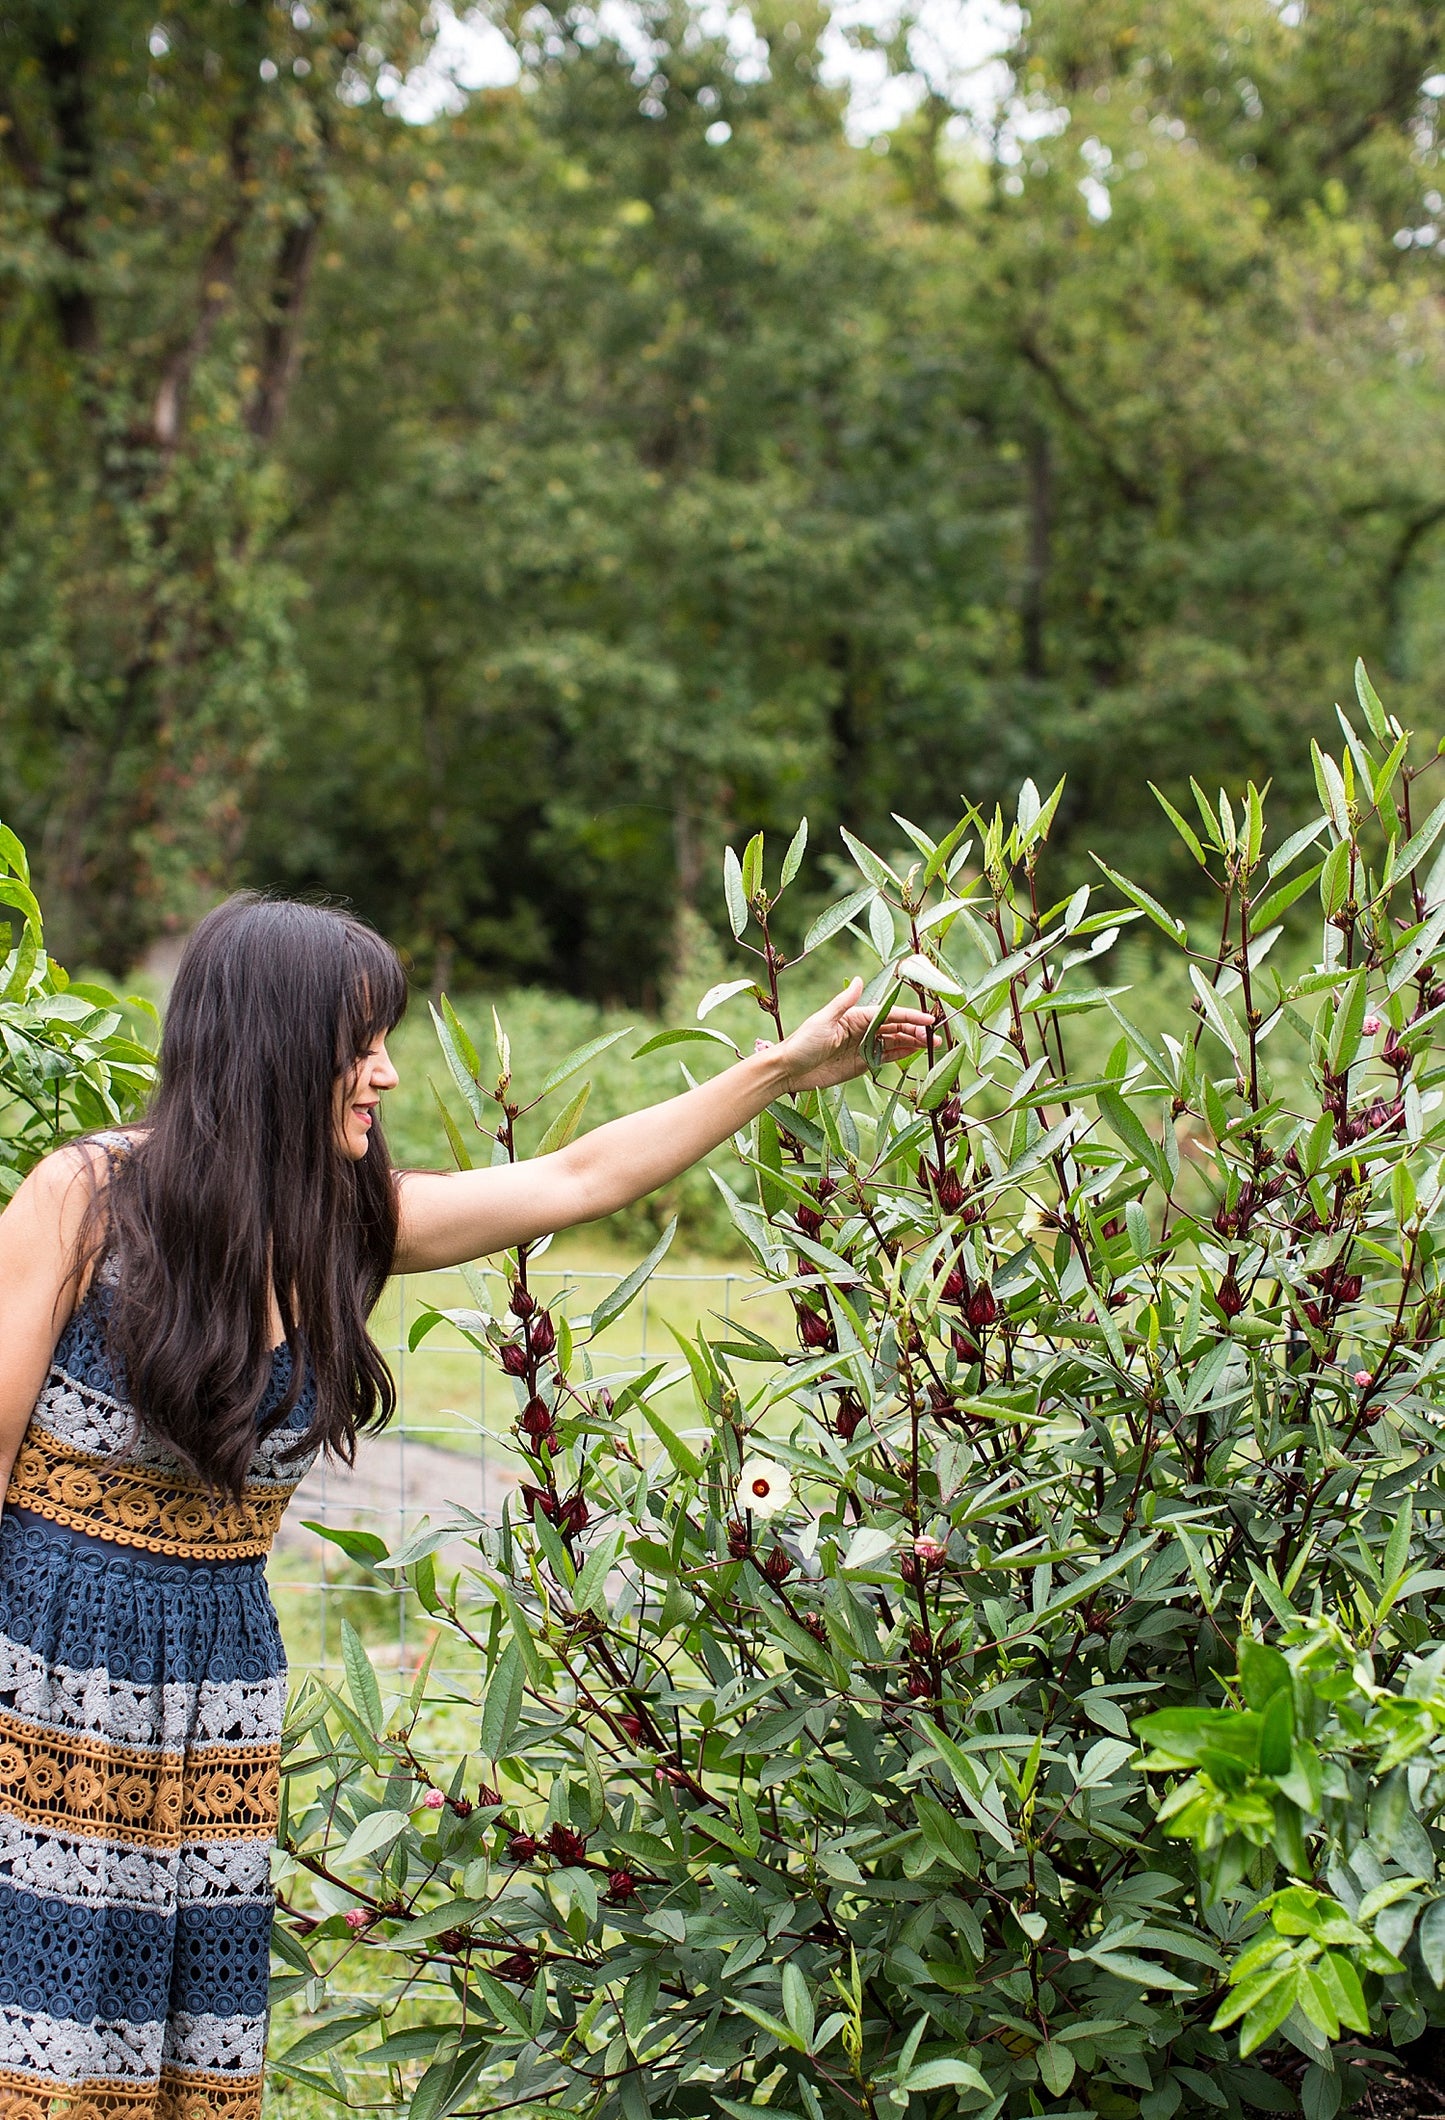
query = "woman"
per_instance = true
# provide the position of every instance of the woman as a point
(182, 1327)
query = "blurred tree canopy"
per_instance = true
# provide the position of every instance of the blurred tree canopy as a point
(486, 518)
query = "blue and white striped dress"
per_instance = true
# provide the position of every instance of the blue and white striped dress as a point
(142, 1682)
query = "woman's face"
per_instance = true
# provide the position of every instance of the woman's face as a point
(358, 1092)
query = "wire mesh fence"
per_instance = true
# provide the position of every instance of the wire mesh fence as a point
(450, 1443)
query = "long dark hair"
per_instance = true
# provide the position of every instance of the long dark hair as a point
(237, 1190)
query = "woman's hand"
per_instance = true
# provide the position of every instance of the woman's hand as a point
(828, 1047)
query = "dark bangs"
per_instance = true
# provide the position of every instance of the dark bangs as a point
(376, 994)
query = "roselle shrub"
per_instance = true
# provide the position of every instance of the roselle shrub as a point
(806, 1775)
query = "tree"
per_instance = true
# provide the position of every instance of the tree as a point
(165, 184)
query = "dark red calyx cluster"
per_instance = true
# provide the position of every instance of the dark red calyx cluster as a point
(981, 1308)
(537, 1424)
(848, 1416)
(814, 1329)
(566, 1845)
(1229, 1296)
(951, 1191)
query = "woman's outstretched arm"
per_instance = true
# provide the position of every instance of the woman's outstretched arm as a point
(448, 1218)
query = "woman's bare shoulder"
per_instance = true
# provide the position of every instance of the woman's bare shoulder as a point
(52, 1202)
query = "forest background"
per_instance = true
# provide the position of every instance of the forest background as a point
(488, 519)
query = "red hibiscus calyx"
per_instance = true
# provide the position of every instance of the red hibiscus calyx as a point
(565, 1845)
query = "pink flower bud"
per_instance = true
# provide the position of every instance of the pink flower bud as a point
(1362, 1377)
(930, 1550)
(1370, 1025)
(433, 1800)
(358, 1918)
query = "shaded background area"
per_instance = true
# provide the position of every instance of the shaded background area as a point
(486, 518)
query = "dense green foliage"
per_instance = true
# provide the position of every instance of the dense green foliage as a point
(639, 487)
(69, 1059)
(806, 1775)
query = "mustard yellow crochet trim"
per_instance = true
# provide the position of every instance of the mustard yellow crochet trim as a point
(150, 1799)
(178, 2095)
(137, 1505)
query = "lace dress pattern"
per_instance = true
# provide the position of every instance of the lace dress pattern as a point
(142, 1681)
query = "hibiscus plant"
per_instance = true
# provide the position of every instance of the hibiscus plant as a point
(1017, 1692)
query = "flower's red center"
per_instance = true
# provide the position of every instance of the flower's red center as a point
(762, 1486)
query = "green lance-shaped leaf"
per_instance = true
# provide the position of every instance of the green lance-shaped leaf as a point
(1124, 1122)
(874, 868)
(503, 1703)
(683, 1456)
(324, 2037)
(376, 1831)
(566, 1123)
(461, 1154)
(943, 2075)
(360, 1678)
(793, 859)
(1370, 706)
(12, 854)
(363, 1547)
(1277, 902)
(617, 1299)
(734, 893)
(685, 1036)
(1419, 844)
(837, 916)
(1185, 830)
(752, 867)
(579, 1058)
(727, 990)
(1348, 1024)
(1171, 926)
(456, 1046)
(589, 1590)
(798, 2003)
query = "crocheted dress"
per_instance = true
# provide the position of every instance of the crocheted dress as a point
(142, 1681)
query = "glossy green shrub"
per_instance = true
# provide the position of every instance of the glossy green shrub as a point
(68, 1062)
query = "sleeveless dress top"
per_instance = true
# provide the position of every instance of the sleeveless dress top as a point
(142, 1683)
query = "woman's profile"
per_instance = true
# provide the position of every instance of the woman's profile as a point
(183, 1326)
